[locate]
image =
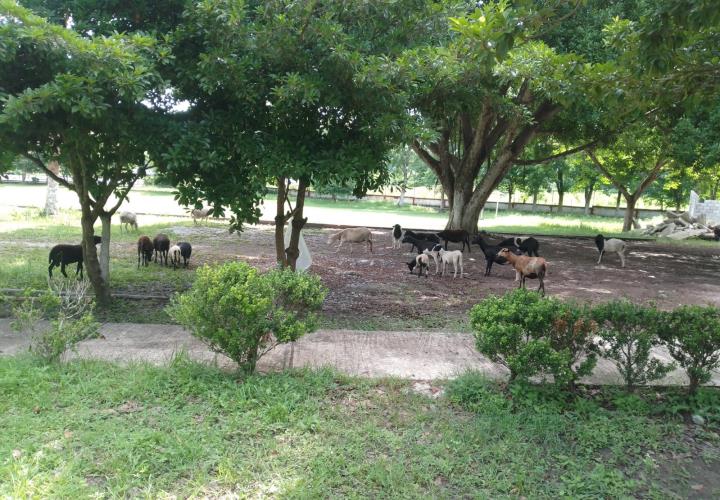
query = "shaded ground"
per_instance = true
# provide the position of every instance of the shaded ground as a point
(376, 291)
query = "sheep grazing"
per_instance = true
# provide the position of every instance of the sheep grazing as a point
(128, 219)
(610, 245)
(201, 213)
(422, 236)
(178, 251)
(352, 235)
(421, 261)
(161, 246)
(62, 255)
(456, 236)
(421, 245)
(492, 253)
(527, 267)
(144, 250)
(447, 256)
(528, 246)
(396, 235)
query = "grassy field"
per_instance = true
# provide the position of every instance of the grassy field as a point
(86, 429)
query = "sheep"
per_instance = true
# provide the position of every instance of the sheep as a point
(456, 236)
(178, 251)
(610, 245)
(527, 267)
(128, 218)
(527, 245)
(144, 250)
(422, 236)
(447, 256)
(161, 246)
(421, 245)
(62, 255)
(396, 235)
(352, 235)
(492, 254)
(422, 261)
(201, 213)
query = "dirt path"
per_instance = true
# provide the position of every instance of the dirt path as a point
(411, 355)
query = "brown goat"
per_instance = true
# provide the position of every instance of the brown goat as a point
(527, 267)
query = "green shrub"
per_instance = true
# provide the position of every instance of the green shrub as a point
(628, 338)
(238, 311)
(531, 335)
(692, 335)
(68, 308)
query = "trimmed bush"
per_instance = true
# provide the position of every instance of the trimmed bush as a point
(692, 335)
(243, 313)
(627, 339)
(531, 335)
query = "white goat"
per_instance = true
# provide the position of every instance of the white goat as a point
(352, 235)
(610, 245)
(201, 213)
(446, 257)
(128, 218)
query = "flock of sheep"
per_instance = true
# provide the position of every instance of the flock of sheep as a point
(521, 253)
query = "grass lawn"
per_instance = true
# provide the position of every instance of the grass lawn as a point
(87, 428)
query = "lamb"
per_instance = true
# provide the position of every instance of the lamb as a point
(492, 254)
(161, 246)
(62, 255)
(420, 244)
(527, 246)
(178, 251)
(201, 213)
(396, 235)
(456, 236)
(421, 261)
(352, 235)
(145, 249)
(452, 256)
(528, 267)
(128, 218)
(610, 245)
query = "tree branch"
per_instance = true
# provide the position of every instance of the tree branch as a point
(431, 162)
(607, 174)
(49, 172)
(650, 178)
(568, 152)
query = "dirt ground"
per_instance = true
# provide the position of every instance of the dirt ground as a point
(378, 287)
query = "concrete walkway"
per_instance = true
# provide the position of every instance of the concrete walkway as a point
(411, 355)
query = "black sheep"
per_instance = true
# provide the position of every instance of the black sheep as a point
(529, 246)
(161, 245)
(423, 236)
(418, 243)
(491, 252)
(62, 255)
(185, 252)
(145, 250)
(456, 236)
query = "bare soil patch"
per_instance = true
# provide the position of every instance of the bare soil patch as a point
(377, 288)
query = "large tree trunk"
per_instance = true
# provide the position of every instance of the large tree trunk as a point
(90, 258)
(292, 251)
(629, 219)
(401, 199)
(51, 208)
(106, 220)
(588, 197)
(561, 200)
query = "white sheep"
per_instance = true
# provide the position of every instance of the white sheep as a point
(527, 267)
(352, 235)
(175, 255)
(128, 218)
(201, 213)
(611, 245)
(446, 257)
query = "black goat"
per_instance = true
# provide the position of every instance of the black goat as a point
(456, 236)
(423, 236)
(529, 246)
(62, 255)
(161, 245)
(145, 250)
(491, 252)
(418, 243)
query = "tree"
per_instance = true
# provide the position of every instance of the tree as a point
(278, 92)
(78, 101)
(406, 171)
